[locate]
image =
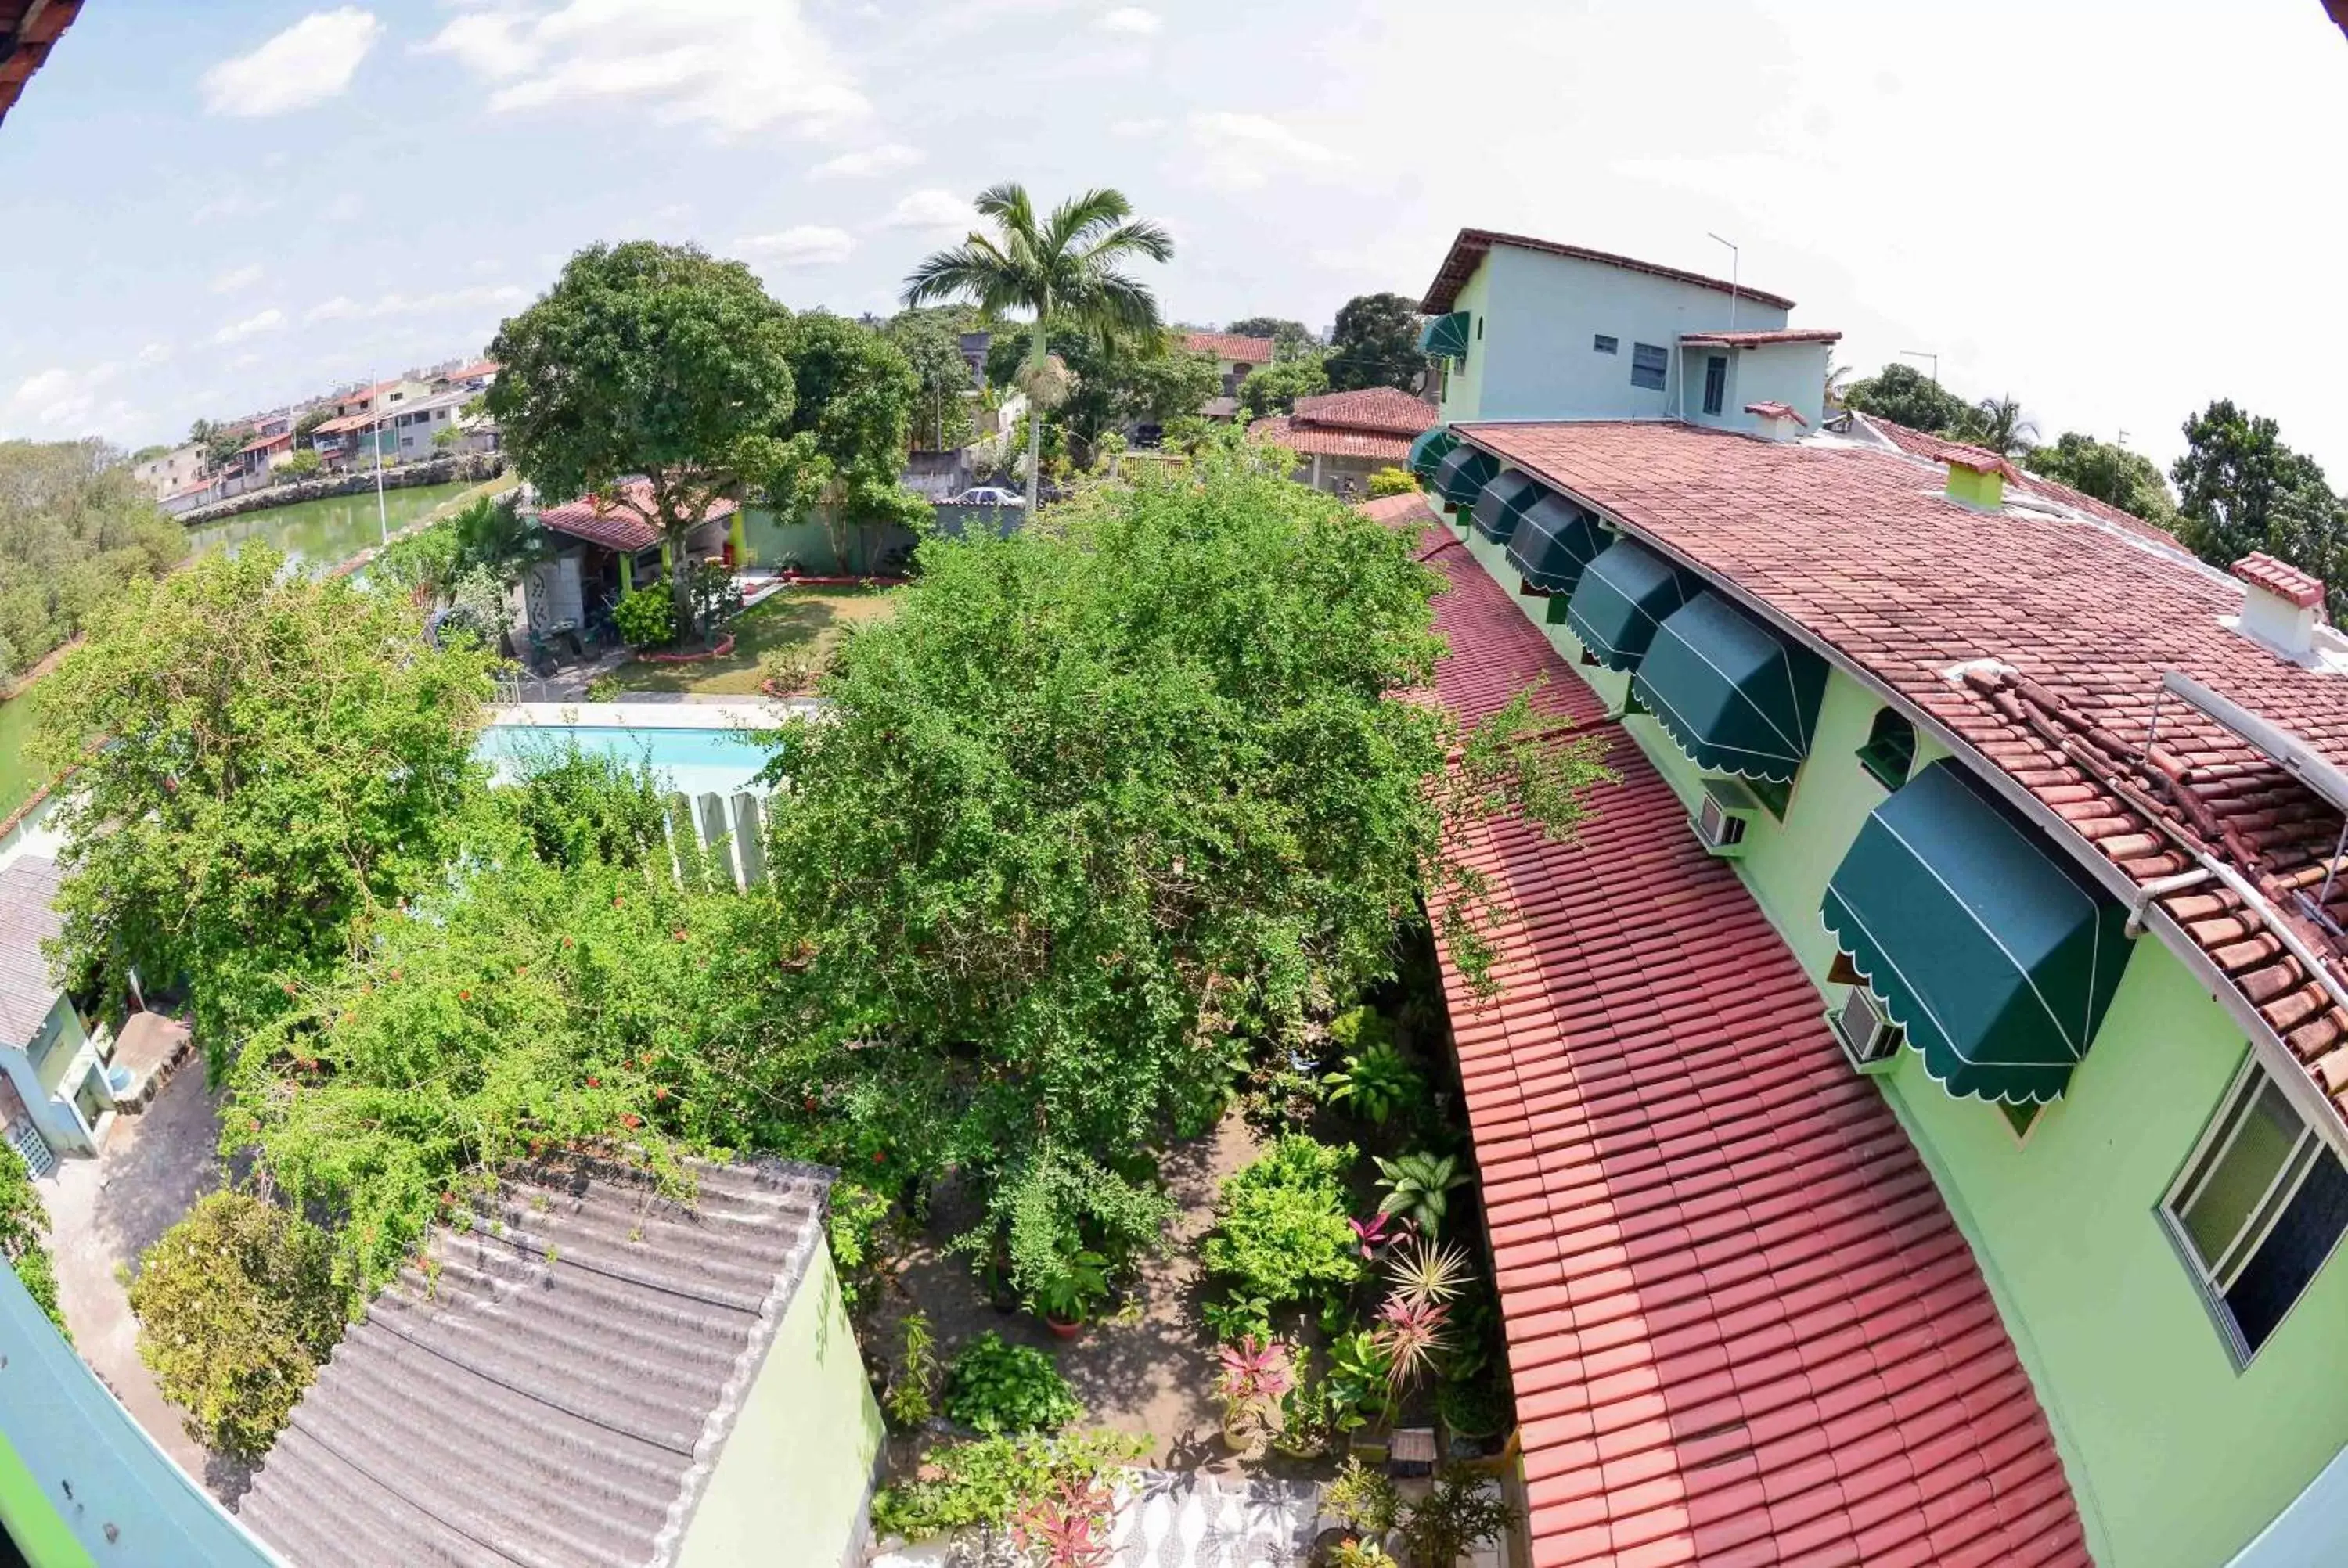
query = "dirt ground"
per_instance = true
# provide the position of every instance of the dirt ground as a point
(1150, 1369)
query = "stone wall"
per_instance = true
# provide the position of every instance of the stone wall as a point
(470, 466)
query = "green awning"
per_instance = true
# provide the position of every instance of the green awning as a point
(1555, 539)
(1461, 478)
(1993, 951)
(1432, 446)
(1504, 501)
(1738, 697)
(1444, 337)
(1623, 594)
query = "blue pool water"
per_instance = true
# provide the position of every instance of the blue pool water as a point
(697, 761)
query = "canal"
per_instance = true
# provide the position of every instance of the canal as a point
(318, 535)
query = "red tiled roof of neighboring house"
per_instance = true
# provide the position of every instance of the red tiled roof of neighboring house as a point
(348, 422)
(1763, 339)
(621, 524)
(2280, 579)
(1225, 345)
(1741, 1327)
(1328, 441)
(29, 30)
(1469, 249)
(1855, 547)
(478, 367)
(1388, 409)
(1778, 411)
(1939, 449)
(264, 443)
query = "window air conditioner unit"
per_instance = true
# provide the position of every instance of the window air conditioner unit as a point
(1723, 815)
(1870, 1040)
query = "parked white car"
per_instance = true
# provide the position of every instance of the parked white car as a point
(990, 495)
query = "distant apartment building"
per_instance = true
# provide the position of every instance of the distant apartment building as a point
(1235, 357)
(172, 472)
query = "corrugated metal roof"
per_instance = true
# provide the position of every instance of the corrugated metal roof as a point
(558, 1395)
(26, 991)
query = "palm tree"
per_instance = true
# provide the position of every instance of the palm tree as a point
(1997, 424)
(1067, 269)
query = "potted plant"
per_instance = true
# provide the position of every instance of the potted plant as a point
(1367, 1506)
(1067, 1300)
(1256, 1375)
(1070, 1528)
(1463, 1511)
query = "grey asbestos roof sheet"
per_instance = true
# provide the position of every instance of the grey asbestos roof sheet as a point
(26, 991)
(557, 1398)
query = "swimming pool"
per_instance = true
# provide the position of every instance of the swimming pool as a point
(696, 750)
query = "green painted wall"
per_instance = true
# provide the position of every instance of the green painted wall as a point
(1462, 393)
(2176, 1458)
(796, 1475)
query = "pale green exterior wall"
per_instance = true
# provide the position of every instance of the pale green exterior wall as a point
(1463, 387)
(2175, 1460)
(795, 1478)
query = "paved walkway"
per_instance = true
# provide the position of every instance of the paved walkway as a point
(104, 1213)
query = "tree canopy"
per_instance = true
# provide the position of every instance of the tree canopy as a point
(648, 359)
(1375, 343)
(931, 341)
(2241, 488)
(2111, 474)
(849, 430)
(1113, 380)
(24, 1227)
(1905, 395)
(1276, 388)
(1289, 338)
(75, 529)
(281, 762)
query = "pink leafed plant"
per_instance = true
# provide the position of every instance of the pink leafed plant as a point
(1374, 1232)
(1410, 1330)
(1070, 1528)
(1256, 1373)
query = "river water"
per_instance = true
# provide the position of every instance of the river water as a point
(318, 535)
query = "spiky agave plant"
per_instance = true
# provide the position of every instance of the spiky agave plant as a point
(1425, 1273)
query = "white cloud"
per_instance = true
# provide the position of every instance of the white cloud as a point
(734, 66)
(809, 245)
(1246, 151)
(58, 398)
(310, 62)
(931, 209)
(1133, 129)
(155, 353)
(1132, 21)
(886, 158)
(343, 208)
(267, 321)
(237, 278)
(343, 308)
(235, 204)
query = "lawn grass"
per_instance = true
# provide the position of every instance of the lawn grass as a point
(795, 615)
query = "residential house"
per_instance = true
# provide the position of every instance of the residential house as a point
(1344, 437)
(172, 473)
(474, 377)
(1912, 1129)
(55, 1098)
(594, 1370)
(416, 427)
(1234, 357)
(608, 548)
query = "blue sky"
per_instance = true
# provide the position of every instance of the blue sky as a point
(2116, 220)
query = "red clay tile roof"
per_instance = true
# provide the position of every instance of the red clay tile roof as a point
(28, 31)
(337, 426)
(1777, 411)
(1741, 1327)
(1858, 548)
(1224, 346)
(1468, 250)
(2284, 581)
(1979, 462)
(1920, 444)
(1387, 409)
(1328, 442)
(1763, 340)
(264, 443)
(623, 524)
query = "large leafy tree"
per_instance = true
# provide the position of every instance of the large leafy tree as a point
(1906, 395)
(74, 528)
(1068, 268)
(1289, 338)
(2241, 488)
(1100, 796)
(2111, 474)
(1276, 388)
(848, 433)
(267, 763)
(931, 341)
(649, 359)
(1375, 343)
(1112, 381)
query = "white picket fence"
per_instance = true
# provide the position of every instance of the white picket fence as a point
(728, 832)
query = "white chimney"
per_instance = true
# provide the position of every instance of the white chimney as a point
(2282, 605)
(1780, 421)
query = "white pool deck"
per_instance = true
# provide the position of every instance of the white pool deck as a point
(721, 713)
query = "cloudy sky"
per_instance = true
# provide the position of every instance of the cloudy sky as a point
(2114, 213)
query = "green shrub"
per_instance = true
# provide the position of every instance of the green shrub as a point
(1392, 482)
(646, 618)
(1281, 1234)
(237, 1305)
(23, 1222)
(1378, 1080)
(854, 1226)
(1008, 1390)
(982, 1484)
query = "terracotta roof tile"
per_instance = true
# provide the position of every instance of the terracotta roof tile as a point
(623, 524)
(1696, 1205)
(1855, 545)
(1229, 345)
(2284, 581)
(1327, 441)
(1386, 409)
(1763, 339)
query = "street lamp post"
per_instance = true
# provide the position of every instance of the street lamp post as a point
(1735, 258)
(1925, 353)
(382, 514)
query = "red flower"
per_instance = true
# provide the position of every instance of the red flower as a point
(632, 1120)
(566, 942)
(464, 996)
(878, 1156)
(660, 1092)
(521, 972)
(448, 1198)
(595, 1083)
(810, 1101)
(617, 901)
(679, 932)
(394, 974)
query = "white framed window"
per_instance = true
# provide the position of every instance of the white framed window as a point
(2258, 1208)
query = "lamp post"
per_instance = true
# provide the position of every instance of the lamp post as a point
(1925, 353)
(1735, 258)
(382, 516)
